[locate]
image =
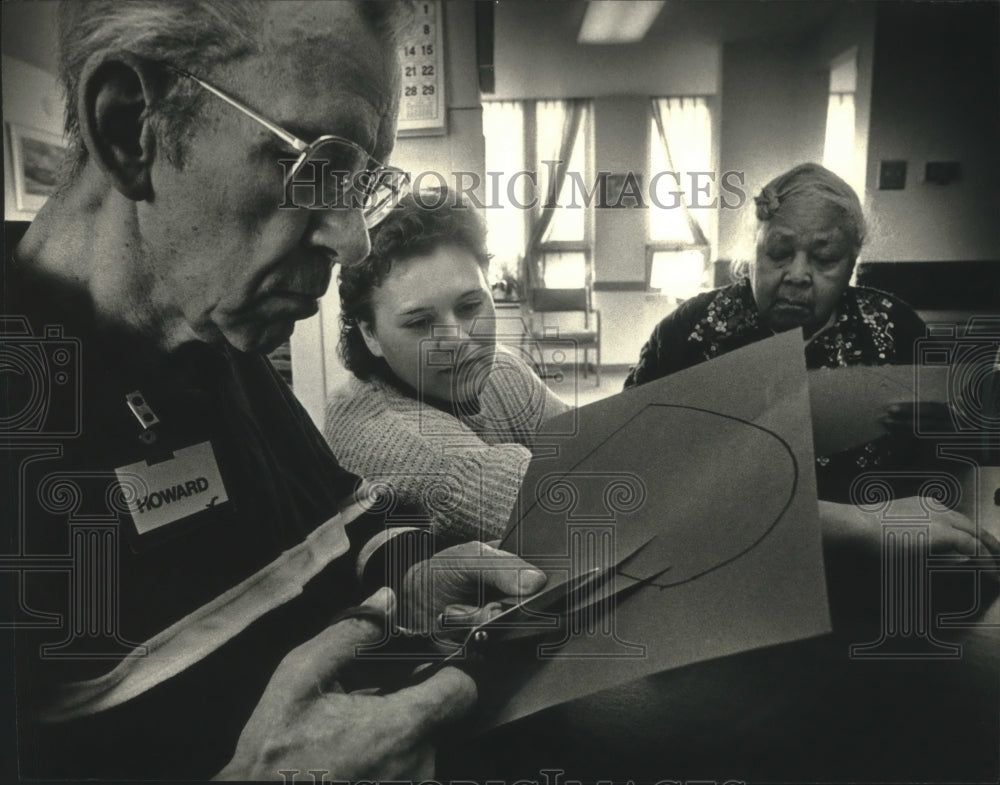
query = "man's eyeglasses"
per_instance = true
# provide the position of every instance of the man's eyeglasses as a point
(338, 170)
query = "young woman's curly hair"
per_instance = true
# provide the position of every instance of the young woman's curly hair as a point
(420, 224)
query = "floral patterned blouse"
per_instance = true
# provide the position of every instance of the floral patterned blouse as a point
(871, 328)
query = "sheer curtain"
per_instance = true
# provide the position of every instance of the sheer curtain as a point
(838, 148)
(681, 142)
(683, 128)
(557, 132)
(503, 128)
(551, 118)
(530, 148)
(841, 150)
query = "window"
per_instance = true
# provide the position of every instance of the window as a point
(503, 128)
(525, 140)
(682, 186)
(840, 148)
(564, 249)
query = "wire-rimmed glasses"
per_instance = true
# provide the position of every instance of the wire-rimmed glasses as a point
(336, 171)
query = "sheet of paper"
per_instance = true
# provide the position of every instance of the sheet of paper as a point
(722, 473)
(848, 402)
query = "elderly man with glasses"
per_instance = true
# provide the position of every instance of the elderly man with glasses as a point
(183, 538)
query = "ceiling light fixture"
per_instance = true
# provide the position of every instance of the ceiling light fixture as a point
(618, 21)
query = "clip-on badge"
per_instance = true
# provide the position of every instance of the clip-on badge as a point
(171, 487)
(144, 413)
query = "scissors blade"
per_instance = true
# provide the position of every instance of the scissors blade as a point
(541, 611)
(618, 587)
(545, 610)
(535, 616)
(594, 588)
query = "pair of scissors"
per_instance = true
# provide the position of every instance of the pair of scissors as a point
(519, 626)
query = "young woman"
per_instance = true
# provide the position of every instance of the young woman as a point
(438, 415)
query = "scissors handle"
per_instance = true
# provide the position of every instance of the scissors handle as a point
(404, 657)
(389, 663)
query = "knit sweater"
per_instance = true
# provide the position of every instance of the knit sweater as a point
(463, 468)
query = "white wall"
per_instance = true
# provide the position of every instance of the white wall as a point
(537, 57)
(774, 105)
(854, 28)
(936, 97)
(774, 100)
(928, 89)
(627, 319)
(29, 33)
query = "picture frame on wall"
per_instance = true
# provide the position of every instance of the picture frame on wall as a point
(36, 157)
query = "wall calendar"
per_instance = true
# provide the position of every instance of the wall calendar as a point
(422, 106)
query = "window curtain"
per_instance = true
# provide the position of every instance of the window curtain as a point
(838, 147)
(557, 125)
(503, 129)
(684, 128)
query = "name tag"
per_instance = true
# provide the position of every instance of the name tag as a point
(161, 493)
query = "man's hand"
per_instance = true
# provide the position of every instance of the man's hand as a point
(305, 721)
(467, 575)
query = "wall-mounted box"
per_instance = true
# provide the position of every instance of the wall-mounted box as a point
(942, 172)
(892, 175)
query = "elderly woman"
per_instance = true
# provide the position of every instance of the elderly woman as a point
(810, 231)
(438, 414)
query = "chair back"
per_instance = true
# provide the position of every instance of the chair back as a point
(555, 314)
(554, 300)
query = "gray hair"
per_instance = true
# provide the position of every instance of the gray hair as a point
(816, 181)
(192, 34)
(195, 35)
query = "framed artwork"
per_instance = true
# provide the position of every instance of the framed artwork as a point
(35, 158)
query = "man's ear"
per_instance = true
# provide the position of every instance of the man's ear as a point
(115, 94)
(371, 341)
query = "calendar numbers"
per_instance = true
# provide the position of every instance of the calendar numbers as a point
(422, 110)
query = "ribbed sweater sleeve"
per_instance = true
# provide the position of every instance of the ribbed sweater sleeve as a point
(514, 402)
(466, 482)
